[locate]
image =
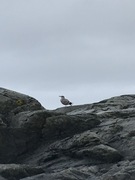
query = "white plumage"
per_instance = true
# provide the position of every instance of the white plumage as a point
(65, 101)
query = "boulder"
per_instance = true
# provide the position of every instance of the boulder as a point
(12, 103)
(14, 140)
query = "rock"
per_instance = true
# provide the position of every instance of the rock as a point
(30, 119)
(91, 142)
(12, 102)
(2, 124)
(101, 153)
(70, 173)
(16, 171)
(64, 126)
(77, 142)
(86, 145)
(2, 178)
(15, 142)
(121, 171)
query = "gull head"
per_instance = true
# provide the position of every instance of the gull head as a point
(62, 96)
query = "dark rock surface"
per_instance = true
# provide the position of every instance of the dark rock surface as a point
(86, 142)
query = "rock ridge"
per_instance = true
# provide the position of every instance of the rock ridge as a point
(91, 141)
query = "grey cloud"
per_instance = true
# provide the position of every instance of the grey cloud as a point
(74, 47)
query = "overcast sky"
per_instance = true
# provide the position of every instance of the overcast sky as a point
(83, 49)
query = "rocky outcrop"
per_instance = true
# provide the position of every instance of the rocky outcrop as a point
(15, 141)
(91, 142)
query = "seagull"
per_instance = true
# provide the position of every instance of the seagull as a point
(65, 101)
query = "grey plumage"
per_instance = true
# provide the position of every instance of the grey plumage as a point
(65, 101)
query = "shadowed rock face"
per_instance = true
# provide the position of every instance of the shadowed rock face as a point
(13, 139)
(91, 142)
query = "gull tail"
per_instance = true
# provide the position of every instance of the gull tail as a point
(70, 103)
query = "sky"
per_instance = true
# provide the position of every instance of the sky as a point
(82, 49)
